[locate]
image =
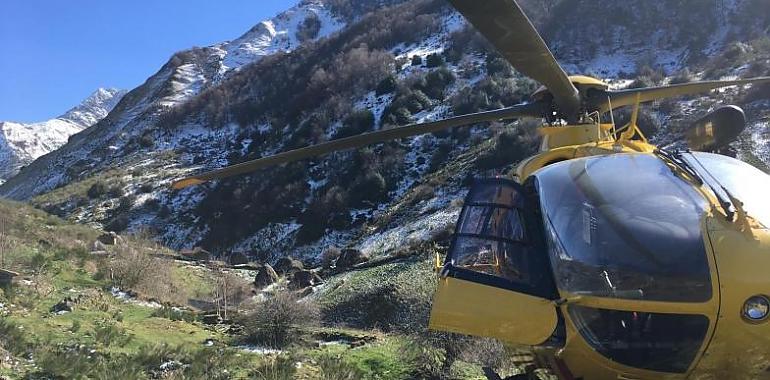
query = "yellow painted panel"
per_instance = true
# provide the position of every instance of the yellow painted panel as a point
(474, 309)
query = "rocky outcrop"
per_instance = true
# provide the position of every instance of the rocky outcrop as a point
(350, 257)
(288, 265)
(305, 278)
(265, 276)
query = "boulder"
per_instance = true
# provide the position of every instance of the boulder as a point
(7, 276)
(287, 265)
(211, 319)
(63, 306)
(238, 258)
(305, 278)
(350, 257)
(196, 253)
(265, 276)
(108, 238)
(98, 246)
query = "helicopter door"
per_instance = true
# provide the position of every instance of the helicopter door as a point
(496, 281)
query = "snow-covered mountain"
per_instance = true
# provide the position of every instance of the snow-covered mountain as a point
(184, 76)
(20, 143)
(329, 68)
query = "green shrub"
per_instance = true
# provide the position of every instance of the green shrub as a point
(371, 188)
(309, 28)
(211, 363)
(512, 145)
(434, 60)
(279, 368)
(79, 362)
(491, 93)
(116, 191)
(146, 188)
(147, 140)
(13, 338)
(174, 314)
(118, 223)
(434, 83)
(108, 333)
(336, 368)
(356, 123)
(126, 203)
(496, 65)
(386, 86)
(416, 60)
(97, 190)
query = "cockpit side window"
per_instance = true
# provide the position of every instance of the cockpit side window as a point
(495, 244)
(625, 226)
(745, 182)
(653, 341)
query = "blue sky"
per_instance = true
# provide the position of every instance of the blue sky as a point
(54, 53)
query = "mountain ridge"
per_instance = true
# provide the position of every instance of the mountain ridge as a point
(22, 143)
(360, 77)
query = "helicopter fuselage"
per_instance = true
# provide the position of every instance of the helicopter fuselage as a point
(586, 327)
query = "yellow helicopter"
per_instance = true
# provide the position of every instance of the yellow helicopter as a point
(611, 257)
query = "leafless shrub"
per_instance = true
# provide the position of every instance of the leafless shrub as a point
(329, 255)
(278, 321)
(5, 240)
(134, 268)
(230, 290)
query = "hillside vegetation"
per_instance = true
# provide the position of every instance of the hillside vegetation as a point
(80, 308)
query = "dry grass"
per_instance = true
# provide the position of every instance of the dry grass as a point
(278, 321)
(135, 268)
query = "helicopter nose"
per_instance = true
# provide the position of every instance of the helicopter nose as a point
(740, 346)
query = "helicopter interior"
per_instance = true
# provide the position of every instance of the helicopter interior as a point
(560, 230)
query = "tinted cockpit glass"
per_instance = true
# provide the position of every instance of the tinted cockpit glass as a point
(654, 341)
(625, 226)
(745, 182)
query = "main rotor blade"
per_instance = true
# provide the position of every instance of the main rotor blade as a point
(505, 25)
(622, 98)
(517, 111)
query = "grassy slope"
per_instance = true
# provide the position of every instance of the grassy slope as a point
(105, 337)
(51, 256)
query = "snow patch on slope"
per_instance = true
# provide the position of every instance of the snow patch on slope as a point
(276, 35)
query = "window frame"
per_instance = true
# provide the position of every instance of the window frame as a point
(533, 241)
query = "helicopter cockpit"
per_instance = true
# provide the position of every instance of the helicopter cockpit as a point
(624, 226)
(626, 233)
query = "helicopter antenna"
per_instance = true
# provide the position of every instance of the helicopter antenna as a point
(612, 115)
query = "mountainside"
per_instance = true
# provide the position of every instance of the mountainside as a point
(333, 68)
(20, 144)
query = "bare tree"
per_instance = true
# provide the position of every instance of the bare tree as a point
(230, 290)
(5, 240)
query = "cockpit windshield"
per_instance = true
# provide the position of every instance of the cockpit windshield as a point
(625, 226)
(745, 182)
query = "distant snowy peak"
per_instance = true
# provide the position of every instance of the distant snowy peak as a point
(95, 107)
(22, 143)
(308, 20)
